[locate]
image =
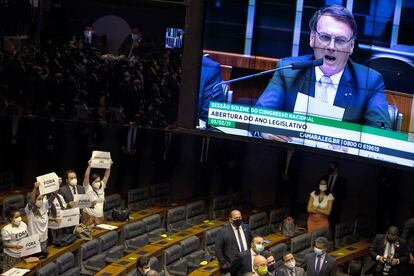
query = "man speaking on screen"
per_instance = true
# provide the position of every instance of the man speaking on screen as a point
(339, 89)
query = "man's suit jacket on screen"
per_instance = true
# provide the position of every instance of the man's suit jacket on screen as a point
(360, 92)
(328, 267)
(226, 246)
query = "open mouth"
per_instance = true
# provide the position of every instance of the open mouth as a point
(330, 58)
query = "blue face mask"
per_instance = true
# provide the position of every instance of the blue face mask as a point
(318, 251)
(259, 248)
(136, 37)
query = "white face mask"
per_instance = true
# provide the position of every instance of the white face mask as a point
(96, 185)
(322, 188)
(291, 264)
(73, 182)
(318, 251)
(146, 270)
(17, 221)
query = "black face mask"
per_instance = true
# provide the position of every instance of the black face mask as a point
(271, 267)
(391, 241)
(237, 222)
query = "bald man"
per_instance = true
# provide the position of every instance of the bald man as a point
(232, 239)
(260, 266)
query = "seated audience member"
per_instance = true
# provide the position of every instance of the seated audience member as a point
(71, 188)
(354, 268)
(319, 263)
(11, 234)
(132, 44)
(143, 266)
(37, 216)
(96, 191)
(225, 246)
(390, 252)
(319, 207)
(289, 267)
(260, 266)
(152, 273)
(271, 263)
(90, 39)
(408, 235)
(244, 260)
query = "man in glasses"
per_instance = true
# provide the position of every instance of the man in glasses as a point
(353, 90)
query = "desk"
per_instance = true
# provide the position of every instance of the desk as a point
(351, 252)
(212, 268)
(156, 248)
(277, 238)
(55, 252)
(112, 270)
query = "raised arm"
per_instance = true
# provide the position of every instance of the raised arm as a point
(107, 173)
(87, 173)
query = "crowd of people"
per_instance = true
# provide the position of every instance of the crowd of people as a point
(75, 81)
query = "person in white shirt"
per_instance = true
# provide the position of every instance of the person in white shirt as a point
(95, 188)
(11, 234)
(38, 218)
(319, 207)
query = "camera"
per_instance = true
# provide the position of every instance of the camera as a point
(387, 266)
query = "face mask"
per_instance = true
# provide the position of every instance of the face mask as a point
(259, 248)
(262, 270)
(73, 182)
(17, 221)
(322, 188)
(271, 267)
(96, 185)
(318, 251)
(390, 241)
(87, 33)
(135, 36)
(39, 203)
(237, 222)
(291, 264)
(146, 270)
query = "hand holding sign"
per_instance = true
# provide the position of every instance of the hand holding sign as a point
(31, 245)
(48, 183)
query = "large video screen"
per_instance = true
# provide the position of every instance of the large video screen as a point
(340, 79)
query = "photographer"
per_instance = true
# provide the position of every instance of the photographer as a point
(390, 252)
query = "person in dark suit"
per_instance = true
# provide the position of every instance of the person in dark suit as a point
(271, 263)
(319, 263)
(71, 188)
(90, 39)
(244, 260)
(133, 44)
(408, 235)
(390, 252)
(337, 186)
(290, 268)
(232, 239)
(210, 76)
(339, 81)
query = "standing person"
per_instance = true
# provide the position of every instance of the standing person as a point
(37, 217)
(319, 263)
(95, 188)
(319, 207)
(132, 45)
(71, 188)
(232, 239)
(337, 186)
(11, 234)
(289, 267)
(244, 260)
(390, 252)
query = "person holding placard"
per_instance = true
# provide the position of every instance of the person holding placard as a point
(55, 215)
(37, 216)
(71, 188)
(95, 188)
(11, 234)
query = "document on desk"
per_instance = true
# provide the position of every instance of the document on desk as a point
(106, 226)
(15, 272)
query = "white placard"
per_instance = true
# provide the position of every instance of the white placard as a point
(106, 226)
(49, 183)
(82, 201)
(101, 159)
(69, 217)
(311, 106)
(15, 272)
(31, 245)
